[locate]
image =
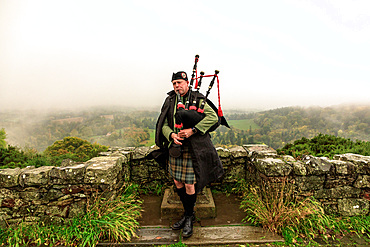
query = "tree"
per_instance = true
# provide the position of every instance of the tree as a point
(325, 145)
(2, 138)
(75, 148)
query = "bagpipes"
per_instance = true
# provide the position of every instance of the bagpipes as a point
(188, 115)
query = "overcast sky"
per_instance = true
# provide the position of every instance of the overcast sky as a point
(270, 53)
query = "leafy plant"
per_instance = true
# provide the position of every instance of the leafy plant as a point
(80, 149)
(275, 207)
(325, 145)
(2, 138)
(69, 148)
(12, 157)
(157, 189)
(108, 220)
(104, 220)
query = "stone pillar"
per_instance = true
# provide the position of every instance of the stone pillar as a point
(171, 206)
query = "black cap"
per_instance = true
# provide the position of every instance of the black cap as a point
(180, 75)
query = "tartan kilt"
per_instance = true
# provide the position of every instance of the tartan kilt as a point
(181, 168)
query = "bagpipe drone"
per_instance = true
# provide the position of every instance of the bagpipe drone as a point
(188, 115)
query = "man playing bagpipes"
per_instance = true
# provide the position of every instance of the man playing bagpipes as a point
(193, 161)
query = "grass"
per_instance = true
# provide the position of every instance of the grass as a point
(243, 124)
(180, 244)
(151, 141)
(275, 207)
(104, 220)
(156, 188)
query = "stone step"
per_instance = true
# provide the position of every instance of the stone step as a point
(218, 235)
(171, 206)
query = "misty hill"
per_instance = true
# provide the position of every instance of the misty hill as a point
(284, 125)
(105, 125)
(127, 127)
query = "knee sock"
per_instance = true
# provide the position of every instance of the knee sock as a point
(189, 204)
(181, 192)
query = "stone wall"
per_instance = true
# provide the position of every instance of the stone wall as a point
(342, 185)
(53, 193)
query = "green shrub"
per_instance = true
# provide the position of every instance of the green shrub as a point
(275, 207)
(79, 149)
(69, 148)
(104, 220)
(2, 138)
(325, 145)
(108, 220)
(12, 157)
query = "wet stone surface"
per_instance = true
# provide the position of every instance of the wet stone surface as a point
(227, 229)
(231, 235)
(227, 211)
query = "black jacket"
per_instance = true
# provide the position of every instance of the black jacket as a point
(206, 162)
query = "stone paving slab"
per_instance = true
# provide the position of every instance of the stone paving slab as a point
(220, 235)
(231, 235)
(171, 205)
(151, 236)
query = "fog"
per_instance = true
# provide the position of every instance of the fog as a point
(73, 54)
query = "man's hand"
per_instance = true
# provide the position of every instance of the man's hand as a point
(186, 133)
(176, 138)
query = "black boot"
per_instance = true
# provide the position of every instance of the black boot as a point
(188, 227)
(180, 224)
(189, 215)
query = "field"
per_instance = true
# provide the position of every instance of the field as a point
(150, 142)
(243, 124)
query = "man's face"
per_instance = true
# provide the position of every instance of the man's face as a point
(180, 86)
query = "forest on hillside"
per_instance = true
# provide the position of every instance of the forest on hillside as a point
(129, 127)
(281, 126)
(106, 126)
